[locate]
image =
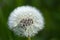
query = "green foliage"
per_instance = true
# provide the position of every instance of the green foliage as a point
(50, 10)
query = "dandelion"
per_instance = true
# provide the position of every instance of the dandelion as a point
(26, 21)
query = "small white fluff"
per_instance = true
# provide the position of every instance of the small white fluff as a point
(26, 21)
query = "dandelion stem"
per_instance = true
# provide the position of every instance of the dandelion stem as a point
(29, 38)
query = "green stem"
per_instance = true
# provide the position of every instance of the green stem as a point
(29, 38)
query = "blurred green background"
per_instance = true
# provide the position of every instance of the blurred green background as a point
(50, 10)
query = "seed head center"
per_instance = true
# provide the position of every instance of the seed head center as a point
(26, 22)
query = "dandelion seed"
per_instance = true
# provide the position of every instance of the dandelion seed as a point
(26, 21)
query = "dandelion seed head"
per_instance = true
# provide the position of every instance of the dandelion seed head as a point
(26, 21)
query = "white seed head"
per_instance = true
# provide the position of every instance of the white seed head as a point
(26, 21)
